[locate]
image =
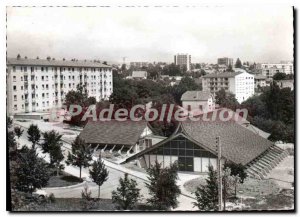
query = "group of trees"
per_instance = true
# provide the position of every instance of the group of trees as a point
(207, 195)
(273, 111)
(27, 170)
(128, 93)
(162, 187)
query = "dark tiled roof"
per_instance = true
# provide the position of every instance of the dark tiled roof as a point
(57, 63)
(195, 96)
(113, 132)
(223, 75)
(239, 144)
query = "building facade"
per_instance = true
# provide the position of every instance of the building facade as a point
(272, 68)
(240, 83)
(225, 61)
(38, 85)
(260, 81)
(193, 147)
(270, 72)
(197, 101)
(183, 60)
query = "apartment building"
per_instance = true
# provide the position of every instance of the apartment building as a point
(183, 60)
(271, 71)
(225, 61)
(240, 83)
(272, 68)
(37, 85)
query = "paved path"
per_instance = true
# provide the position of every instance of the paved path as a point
(115, 173)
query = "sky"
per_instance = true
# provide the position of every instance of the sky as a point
(259, 34)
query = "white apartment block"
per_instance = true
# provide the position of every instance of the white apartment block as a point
(287, 68)
(240, 83)
(37, 85)
(183, 60)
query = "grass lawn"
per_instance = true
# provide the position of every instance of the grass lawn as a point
(75, 204)
(63, 180)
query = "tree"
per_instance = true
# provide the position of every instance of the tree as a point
(99, 173)
(78, 97)
(227, 183)
(162, 187)
(207, 195)
(52, 144)
(229, 69)
(279, 76)
(238, 171)
(86, 198)
(18, 131)
(226, 100)
(34, 134)
(127, 193)
(32, 172)
(238, 63)
(80, 156)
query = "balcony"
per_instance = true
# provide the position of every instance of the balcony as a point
(26, 101)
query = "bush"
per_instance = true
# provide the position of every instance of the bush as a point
(51, 198)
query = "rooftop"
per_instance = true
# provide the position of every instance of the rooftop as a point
(113, 132)
(195, 96)
(139, 74)
(222, 75)
(58, 63)
(239, 144)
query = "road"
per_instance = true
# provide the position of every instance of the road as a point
(115, 173)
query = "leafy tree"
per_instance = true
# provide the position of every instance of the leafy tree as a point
(207, 195)
(32, 172)
(123, 68)
(86, 198)
(229, 69)
(80, 156)
(226, 100)
(99, 173)
(127, 193)
(238, 171)
(172, 70)
(34, 134)
(227, 183)
(279, 76)
(162, 187)
(52, 144)
(18, 131)
(238, 63)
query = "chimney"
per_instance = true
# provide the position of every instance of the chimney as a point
(48, 58)
(19, 56)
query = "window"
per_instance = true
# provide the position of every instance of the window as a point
(15, 97)
(15, 107)
(14, 69)
(14, 78)
(189, 108)
(200, 107)
(32, 69)
(15, 88)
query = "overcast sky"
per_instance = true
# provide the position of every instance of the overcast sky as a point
(152, 34)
